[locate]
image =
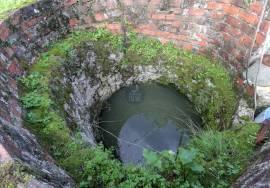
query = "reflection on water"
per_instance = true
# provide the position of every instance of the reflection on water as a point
(147, 116)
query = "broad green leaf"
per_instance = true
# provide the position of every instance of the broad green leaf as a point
(152, 158)
(187, 156)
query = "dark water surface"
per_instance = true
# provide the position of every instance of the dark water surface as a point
(148, 116)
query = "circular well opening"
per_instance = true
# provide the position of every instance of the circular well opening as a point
(147, 116)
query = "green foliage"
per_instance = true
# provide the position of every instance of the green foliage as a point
(206, 83)
(6, 6)
(181, 170)
(225, 153)
(12, 173)
(213, 159)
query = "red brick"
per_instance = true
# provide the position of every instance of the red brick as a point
(250, 90)
(73, 22)
(256, 7)
(147, 26)
(230, 9)
(188, 47)
(264, 27)
(234, 22)
(170, 17)
(201, 36)
(28, 23)
(249, 18)
(196, 12)
(260, 38)
(101, 17)
(148, 32)
(217, 15)
(239, 81)
(232, 31)
(202, 43)
(158, 16)
(4, 32)
(114, 27)
(246, 28)
(14, 69)
(246, 40)
(214, 5)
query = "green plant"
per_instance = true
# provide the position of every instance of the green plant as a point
(13, 173)
(7, 6)
(207, 85)
(181, 170)
(225, 153)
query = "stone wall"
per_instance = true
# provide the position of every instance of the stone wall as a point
(223, 29)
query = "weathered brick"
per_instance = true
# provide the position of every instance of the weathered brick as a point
(264, 27)
(196, 12)
(188, 47)
(5, 31)
(101, 16)
(248, 17)
(114, 27)
(260, 38)
(246, 40)
(73, 22)
(14, 69)
(170, 17)
(256, 7)
(217, 15)
(28, 23)
(230, 9)
(234, 22)
(214, 5)
(158, 16)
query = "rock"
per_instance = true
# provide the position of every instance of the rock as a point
(17, 144)
(263, 94)
(257, 175)
(91, 82)
(243, 112)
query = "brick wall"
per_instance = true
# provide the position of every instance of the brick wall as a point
(223, 29)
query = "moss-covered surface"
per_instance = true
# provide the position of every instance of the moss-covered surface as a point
(206, 83)
(7, 6)
(13, 173)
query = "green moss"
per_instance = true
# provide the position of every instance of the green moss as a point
(13, 173)
(7, 6)
(206, 83)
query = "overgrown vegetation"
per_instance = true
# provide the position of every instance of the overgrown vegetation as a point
(12, 173)
(6, 6)
(213, 159)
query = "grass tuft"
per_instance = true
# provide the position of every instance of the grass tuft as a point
(7, 6)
